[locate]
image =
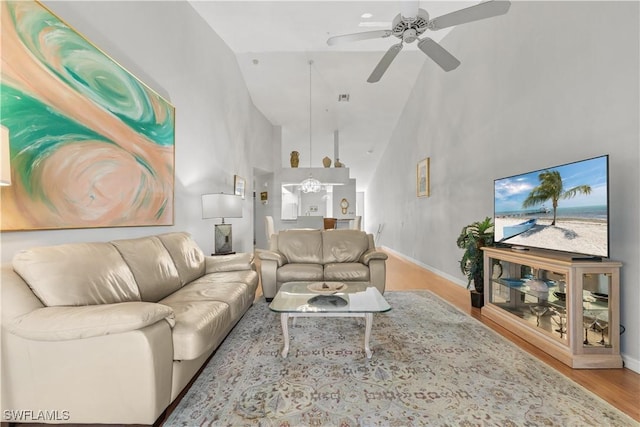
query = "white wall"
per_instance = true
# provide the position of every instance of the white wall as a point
(546, 84)
(219, 132)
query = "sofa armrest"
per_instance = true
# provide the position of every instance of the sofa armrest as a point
(70, 323)
(94, 379)
(372, 254)
(233, 262)
(268, 278)
(278, 257)
(378, 274)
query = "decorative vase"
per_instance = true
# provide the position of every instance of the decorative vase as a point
(295, 159)
(326, 162)
(338, 164)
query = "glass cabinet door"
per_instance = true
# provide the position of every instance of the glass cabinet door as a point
(596, 311)
(537, 296)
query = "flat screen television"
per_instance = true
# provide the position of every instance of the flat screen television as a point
(562, 208)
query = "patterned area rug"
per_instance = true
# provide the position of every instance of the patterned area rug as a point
(432, 365)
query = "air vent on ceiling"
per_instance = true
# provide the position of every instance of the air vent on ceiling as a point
(343, 97)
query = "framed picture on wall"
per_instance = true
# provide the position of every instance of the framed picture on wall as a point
(422, 181)
(91, 145)
(238, 185)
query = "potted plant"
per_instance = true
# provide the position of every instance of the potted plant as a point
(473, 237)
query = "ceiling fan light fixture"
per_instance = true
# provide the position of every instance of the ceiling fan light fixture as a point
(409, 36)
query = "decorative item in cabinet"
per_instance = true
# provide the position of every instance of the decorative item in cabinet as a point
(566, 307)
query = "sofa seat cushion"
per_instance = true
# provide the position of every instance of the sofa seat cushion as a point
(250, 277)
(299, 273)
(199, 326)
(346, 272)
(235, 294)
(234, 262)
(71, 323)
(77, 274)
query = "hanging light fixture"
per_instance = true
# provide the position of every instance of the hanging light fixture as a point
(310, 185)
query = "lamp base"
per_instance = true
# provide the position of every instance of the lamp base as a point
(222, 239)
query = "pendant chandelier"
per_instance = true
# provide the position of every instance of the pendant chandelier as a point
(310, 185)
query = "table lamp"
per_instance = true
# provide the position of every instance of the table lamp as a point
(222, 206)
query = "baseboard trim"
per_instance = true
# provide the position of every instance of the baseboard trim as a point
(434, 270)
(631, 363)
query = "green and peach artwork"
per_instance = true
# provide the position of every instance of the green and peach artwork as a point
(90, 145)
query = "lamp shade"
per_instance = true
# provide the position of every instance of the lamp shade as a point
(221, 206)
(5, 160)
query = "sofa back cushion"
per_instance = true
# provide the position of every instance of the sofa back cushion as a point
(77, 274)
(343, 245)
(151, 265)
(301, 246)
(186, 254)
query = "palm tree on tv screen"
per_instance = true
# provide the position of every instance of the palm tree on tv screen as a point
(551, 188)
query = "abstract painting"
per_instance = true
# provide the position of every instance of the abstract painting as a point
(90, 145)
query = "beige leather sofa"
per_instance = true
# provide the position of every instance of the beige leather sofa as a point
(314, 255)
(112, 332)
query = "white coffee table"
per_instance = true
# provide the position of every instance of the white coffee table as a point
(294, 299)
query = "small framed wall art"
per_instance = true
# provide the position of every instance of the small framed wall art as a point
(422, 178)
(239, 185)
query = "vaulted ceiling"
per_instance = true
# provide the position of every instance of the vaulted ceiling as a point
(274, 42)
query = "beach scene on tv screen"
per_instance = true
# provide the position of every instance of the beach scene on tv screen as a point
(562, 208)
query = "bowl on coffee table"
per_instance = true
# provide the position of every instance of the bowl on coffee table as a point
(327, 288)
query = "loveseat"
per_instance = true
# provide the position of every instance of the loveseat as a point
(315, 255)
(112, 332)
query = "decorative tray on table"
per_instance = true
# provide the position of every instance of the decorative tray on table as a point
(327, 288)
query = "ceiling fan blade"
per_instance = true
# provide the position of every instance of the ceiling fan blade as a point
(474, 13)
(384, 63)
(358, 36)
(440, 55)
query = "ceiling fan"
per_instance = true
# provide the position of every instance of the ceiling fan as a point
(412, 22)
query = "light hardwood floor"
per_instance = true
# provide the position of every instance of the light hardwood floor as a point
(619, 387)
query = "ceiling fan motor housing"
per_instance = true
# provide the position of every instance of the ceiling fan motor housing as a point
(408, 29)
